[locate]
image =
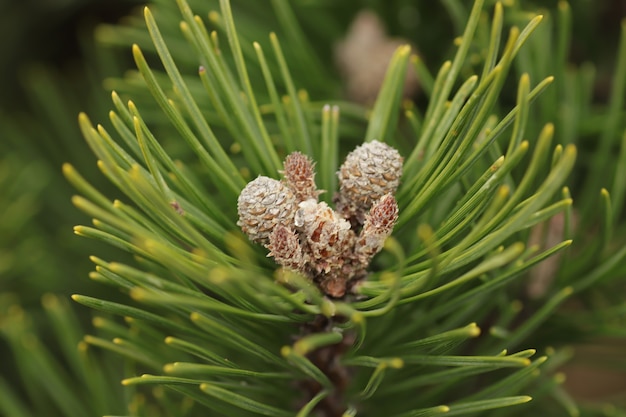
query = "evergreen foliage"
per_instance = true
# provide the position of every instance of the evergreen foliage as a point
(464, 312)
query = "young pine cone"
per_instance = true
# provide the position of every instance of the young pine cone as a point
(300, 176)
(379, 223)
(285, 248)
(327, 236)
(369, 172)
(328, 242)
(263, 204)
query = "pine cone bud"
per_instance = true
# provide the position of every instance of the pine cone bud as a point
(308, 236)
(328, 237)
(379, 223)
(300, 176)
(263, 204)
(369, 172)
(284, 246)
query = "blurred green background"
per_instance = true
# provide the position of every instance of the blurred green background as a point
(50, 72)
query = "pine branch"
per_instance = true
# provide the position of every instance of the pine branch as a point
(426, 326)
